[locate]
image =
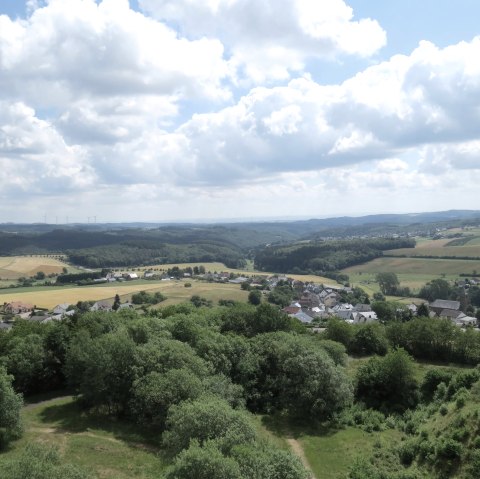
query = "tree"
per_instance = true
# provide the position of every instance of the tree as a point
(369, 339)
(207, 419)
(205, 462)
(155, 393)
(116, 302)
(436, 289)
(10, 406)
(255, 297)
(40, 275)
(423, 310)
(388, 282)
(388, 383)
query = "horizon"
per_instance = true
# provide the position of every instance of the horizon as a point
(210, 221)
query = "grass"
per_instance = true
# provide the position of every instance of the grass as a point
(175, 291)
(14, 267)
(329, 451)
(110, 448)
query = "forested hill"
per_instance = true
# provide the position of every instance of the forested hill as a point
(97, 245)
(321, 257)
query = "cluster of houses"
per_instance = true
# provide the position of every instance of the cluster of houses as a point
(31, 313)
(322, 302)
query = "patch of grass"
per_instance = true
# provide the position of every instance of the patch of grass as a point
(110, 448)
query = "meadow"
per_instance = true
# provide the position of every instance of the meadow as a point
(411, 272)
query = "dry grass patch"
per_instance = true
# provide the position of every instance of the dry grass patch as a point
(14, 267)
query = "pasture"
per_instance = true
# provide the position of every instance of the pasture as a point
(416, 266)
(14, 267)
(411, 272)
(175, 291)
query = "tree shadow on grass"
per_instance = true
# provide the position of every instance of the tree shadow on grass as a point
(287, 426)
(71, 418)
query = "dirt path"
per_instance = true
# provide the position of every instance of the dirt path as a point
(298, 451)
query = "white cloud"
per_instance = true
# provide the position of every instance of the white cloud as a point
(78, 48)
(268, 40)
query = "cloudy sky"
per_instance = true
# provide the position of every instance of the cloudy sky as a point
(160, 110)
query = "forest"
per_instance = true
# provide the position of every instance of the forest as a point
(321, 257)
(196, 377)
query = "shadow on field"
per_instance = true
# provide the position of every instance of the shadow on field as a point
(71, 418)
(287, 426)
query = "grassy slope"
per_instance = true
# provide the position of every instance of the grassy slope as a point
(329, 451)
(111, 449)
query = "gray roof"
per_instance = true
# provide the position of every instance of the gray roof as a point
(304, 318)
(445, 304)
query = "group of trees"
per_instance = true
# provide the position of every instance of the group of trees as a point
(324, 256)
(192, 374)
(424, 338)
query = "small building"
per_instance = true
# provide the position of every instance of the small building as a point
(61, 308)
(439, 305)
(102, 306)
(18, 307)
(130, 276)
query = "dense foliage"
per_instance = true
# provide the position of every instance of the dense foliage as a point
(324, 256)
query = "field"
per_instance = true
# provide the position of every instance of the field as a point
(14, 267)
(220, 267)
(175, 291)
(411, 272)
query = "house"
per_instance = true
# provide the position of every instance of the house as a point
(362, 308)
(451, 314)
(130, 276)
(61, 308)
(365, 317)
(18, 307)
(40, 318)
(102, 306)
(239, 280)
(439, 305)
(303, 317)
(291, 310)
(465, 321)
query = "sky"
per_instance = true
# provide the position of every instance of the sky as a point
(203, 110)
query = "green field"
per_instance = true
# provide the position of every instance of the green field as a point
(411, 272)
(175, 291)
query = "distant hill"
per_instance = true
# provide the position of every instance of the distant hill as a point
(98, 245)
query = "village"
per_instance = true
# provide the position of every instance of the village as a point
(313, 304)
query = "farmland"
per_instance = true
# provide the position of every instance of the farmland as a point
(411, 272)
(14, 267)
(176, 292)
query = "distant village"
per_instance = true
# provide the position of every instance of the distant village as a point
(316, 302)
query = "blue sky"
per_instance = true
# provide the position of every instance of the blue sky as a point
(163, 110)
